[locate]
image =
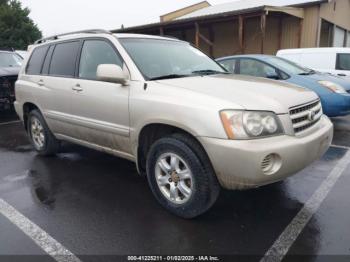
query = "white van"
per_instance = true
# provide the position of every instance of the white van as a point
(332, 60)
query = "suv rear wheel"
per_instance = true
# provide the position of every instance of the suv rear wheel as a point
(181, 177)
(40, 135)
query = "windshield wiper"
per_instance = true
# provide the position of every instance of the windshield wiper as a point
(311, 72)
(168, 77)
(208, 72)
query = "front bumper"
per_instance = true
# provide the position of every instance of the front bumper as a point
(238, 163)
(336, 104)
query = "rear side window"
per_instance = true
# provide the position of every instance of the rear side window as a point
(256, 68)
(95, 53)
(343, 62)
(230, 65)
(36, 60)
(64, 59)
(45, 70)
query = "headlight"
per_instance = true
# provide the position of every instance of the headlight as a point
(250, 124)
(333, 87)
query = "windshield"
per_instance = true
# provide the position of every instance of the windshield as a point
(161, 59)
(288, 67)
(10, 60)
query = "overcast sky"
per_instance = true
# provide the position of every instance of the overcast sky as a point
(57, 16)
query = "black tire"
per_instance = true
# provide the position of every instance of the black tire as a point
(51, 144)
(205, 189)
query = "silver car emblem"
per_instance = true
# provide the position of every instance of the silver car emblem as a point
(311, 115)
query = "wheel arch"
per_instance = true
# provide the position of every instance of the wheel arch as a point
(27, 108)
(150, 133)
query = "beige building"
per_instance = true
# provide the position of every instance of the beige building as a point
(256, 26)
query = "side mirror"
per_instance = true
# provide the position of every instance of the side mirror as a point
(111, 73)
(273, 75)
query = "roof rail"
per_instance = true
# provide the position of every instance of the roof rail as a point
(89, 31)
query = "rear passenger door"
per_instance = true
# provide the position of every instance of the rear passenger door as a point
(57, 80)
(100, 109)
(34, 79)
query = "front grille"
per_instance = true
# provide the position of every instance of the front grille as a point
(7, 87)
(305, 116)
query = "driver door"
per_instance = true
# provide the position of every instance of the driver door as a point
(100, 109)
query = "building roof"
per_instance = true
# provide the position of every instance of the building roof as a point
(230, 8)
(184, 11)
(244, 5)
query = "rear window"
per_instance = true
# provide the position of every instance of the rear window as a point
(343, 62)
(64, 59)
(36, 60)
(10, 60)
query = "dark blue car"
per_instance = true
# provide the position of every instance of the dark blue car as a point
(333, 91)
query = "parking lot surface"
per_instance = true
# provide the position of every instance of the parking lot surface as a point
(95, 207)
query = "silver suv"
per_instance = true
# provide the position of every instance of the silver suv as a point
(191, 127)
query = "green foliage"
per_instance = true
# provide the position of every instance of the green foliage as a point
(17, 30)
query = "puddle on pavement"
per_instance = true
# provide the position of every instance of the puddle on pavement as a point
(17, 177)
(42, 191)
(23, 149)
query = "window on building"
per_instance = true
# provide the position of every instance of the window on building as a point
(326, 36)
(339, 37)
(64, 59)
(95, 53)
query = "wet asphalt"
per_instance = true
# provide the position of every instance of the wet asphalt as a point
(99, 208)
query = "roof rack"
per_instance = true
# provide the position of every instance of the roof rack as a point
(89, 31)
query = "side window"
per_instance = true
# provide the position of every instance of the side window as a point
(230, 65)
(47, 61)
(95, 53)
(343, 62)
(36, 60)
(256, 68)
(64, 59)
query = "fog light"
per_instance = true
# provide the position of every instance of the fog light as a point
(271, 164)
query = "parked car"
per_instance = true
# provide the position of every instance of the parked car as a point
(22, 53)
(333, 91)
(334, 60)
(187, 124)
(10, 64)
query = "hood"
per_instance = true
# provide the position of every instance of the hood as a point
(250, 93)
(327, 77)
(9, 71)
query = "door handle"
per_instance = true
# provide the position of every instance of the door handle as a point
(77, 88)
(41, 82)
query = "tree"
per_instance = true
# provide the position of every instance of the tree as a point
(17, 30)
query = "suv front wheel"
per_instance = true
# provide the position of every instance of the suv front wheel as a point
(181, 177)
